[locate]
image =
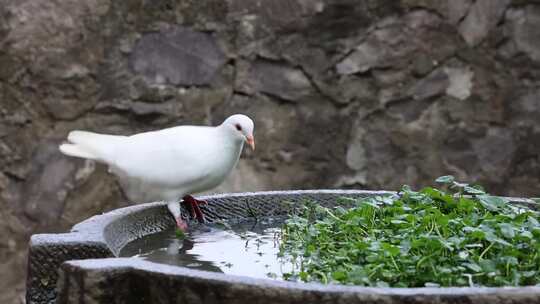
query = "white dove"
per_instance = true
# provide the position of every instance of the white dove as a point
(169, 164)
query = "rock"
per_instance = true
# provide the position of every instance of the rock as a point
(275, 79)
(67, 108)
(422, 65)
(278, 13)
(389, 95)
(441, 7)
(3, 181)
(9, 66)
(455, 82)
(44, 28)
(286, 156)
(179, 56)
(508, 50)
(48, 184)
(526, 108)
(75, 71)
(391, 42)
(457, 9)
(460, 85)
(387, 78)
(17, 119)
(525, 30)
(420, 20)
(169, 110)
(354, 88)
(354, 180)
(356, 154)
(481, 19)
(363, 58)
(496, 151)
(432, 85)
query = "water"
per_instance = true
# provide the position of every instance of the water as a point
(248, 249)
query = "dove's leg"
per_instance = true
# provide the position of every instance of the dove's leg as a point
(174, 208)
(189, 206)
(192, 204)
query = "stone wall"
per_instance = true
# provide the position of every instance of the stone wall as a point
(344, 94)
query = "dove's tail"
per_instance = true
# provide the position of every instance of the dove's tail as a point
(90, 145)
(74, 150)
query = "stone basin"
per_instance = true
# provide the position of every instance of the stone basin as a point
(83, 266)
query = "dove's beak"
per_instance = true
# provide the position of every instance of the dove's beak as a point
(251, 142)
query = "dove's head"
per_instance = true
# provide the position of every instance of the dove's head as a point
(241, 127)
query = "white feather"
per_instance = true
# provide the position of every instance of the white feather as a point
(76, 151)
(168, 164)
(100, 147)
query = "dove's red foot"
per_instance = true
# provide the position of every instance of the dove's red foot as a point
(192, 205)
(181, 224)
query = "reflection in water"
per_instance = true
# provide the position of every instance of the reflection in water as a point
(247, 249)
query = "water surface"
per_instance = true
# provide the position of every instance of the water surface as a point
(248, 249)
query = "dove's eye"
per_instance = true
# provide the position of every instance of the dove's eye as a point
(238, 127)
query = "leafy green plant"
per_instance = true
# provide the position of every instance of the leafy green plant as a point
(457, 235)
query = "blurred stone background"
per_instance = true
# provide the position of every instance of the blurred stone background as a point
(344, 93)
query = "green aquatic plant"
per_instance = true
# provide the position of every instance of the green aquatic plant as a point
(179, 234)
(454, 235)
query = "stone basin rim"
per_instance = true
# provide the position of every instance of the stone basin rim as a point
(92, 231)
(131, 264)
